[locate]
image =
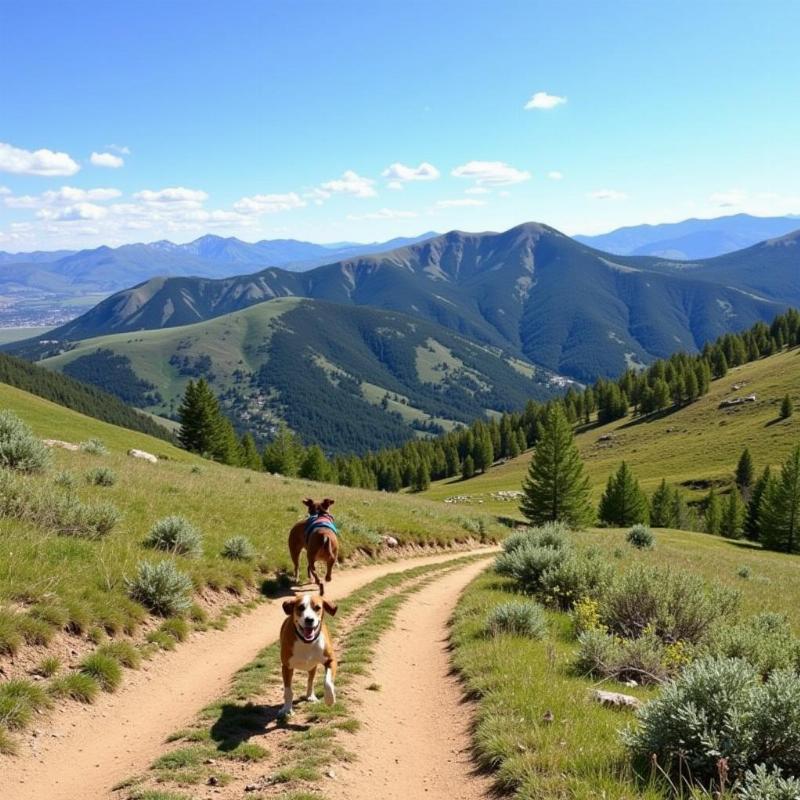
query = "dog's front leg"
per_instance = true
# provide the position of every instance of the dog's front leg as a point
(330, 689)
(310, 696)
(288, 673)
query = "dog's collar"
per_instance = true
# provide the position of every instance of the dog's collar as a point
(303, 638)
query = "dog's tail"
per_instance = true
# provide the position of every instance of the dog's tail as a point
(329, 546)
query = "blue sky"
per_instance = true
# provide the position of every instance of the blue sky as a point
(269, 119)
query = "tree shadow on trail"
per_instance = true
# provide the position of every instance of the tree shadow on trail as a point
(238, 723)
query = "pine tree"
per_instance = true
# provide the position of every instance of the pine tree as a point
(314, 466)
(282, 455)
(662, 507)
(744, 473)
(482, 450)
(422, 480)
(732, 521)
(786, 407)
(468, 468)
(623, 503)
(556, 488)
(204, 429)
(249, 453)
(780, 508)
(752, 522)
(713, 513)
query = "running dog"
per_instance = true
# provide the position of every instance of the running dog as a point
(305, 644)
(317, 535)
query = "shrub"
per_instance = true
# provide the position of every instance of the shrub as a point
(718, 708)
(551, 534)
(176, 535)
(527, 564)
(19, 449)
(586, 615)
(641, 537)
(48, 667)
(744, 571)
(520, 619)
(75, 686)
(573, 577)
(105, 669)
(161, 587)
(677, 605)
(643, 660)
(238, 548)
(101, 476)
(761, 783)
(765, 641)
(65, 480)
(94, 446)
(19, 699)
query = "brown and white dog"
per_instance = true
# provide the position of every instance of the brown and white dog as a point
(317, 535)
(305, 644)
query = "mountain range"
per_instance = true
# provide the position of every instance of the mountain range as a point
(693, 238)
(40, 287)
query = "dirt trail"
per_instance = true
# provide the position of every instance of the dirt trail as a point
(82, 751)
(414, 741)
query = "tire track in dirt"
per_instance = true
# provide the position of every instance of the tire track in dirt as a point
(414, 740)
(96, 746)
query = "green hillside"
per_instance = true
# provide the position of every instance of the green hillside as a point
(530, 290)
(83, 578)
(348, 379)
(691, 446)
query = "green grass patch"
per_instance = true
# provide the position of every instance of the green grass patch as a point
(105, 669)
(19, 700)
(75, 686)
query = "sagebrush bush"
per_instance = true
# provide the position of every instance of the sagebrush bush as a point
(161, 587)
(641, 537)
(238, 548)
(525, 565)
(94, 446)
(525, 618)
(20, 449)
(762, 783)
(101, 476)
(551, 534)
(719, 708)
(579, 574)
(642, 660)
(677, 605)
(764, 641)
(177, 535)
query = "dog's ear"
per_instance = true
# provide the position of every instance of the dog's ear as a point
(330, 608)
(309, 503)
(327, 503)
(288, 606)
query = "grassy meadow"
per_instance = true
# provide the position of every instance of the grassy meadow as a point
(538, 728)
(698, 442)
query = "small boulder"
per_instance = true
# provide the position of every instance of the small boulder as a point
(389, 541)
(59, 443)
(616, 699)
(134, 453)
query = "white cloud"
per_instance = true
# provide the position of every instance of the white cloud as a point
(119, 148)
(607, 194)
(64, 196)
(477, 190)
(384, 213)
(544, 101)
(555, 175)
(269, 203)
(79, 211)
(172, 194)
(401, 173)
(35, 162)
(461, 201)
(350, 183)
(492, 173)
(394, 185)
(4, 190)
(106, 160)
